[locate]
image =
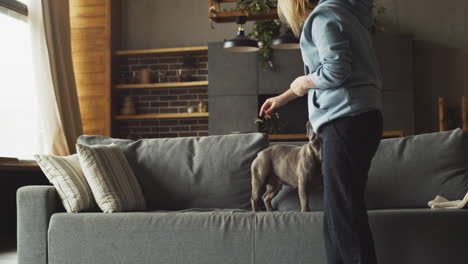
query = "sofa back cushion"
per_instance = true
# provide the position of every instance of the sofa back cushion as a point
(408, 172)
(405, 173)
(189, 172)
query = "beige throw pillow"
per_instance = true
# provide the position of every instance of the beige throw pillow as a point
(68, 179)
(112, 181)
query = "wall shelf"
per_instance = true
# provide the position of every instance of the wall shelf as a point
(161, 85)
(161, 116)
(230, 16)
(216, 14)
(165, 51)
(19, 165)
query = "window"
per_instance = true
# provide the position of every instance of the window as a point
(19, 122)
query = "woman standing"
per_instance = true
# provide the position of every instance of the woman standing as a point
(343, 85)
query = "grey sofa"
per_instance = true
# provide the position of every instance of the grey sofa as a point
(198, 193)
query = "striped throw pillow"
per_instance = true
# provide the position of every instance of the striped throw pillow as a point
(112, 181)
(68, 179)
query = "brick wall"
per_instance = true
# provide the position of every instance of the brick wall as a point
(163, 100)
(158, 128)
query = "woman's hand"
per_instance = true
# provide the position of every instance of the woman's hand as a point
(271, 104)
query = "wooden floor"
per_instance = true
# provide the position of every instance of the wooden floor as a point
(7, 251)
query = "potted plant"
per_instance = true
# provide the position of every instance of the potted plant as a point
(263, 31)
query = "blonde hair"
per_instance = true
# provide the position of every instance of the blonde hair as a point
(294, 13)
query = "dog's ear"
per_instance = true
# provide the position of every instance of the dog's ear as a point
(310, 132)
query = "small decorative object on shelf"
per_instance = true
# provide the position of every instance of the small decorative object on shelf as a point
(162, 77)
(155, 77)
(145, 75)
(179, 75)
(134, 78)
(123, 79)
(128, 107)
(190, 109)
(202, 107)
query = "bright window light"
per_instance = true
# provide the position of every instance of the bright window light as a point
(19, 121)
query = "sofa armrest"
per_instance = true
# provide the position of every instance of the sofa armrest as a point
(35, 206)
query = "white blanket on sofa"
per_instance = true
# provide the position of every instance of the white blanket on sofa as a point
(441, 202)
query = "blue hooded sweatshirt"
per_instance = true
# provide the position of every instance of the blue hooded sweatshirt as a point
(338, 54)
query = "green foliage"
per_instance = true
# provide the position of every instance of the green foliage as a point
(378, 10)
(264, 32)
(257, 6)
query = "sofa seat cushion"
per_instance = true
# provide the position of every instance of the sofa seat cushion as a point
(403, 236)
(221, 236)
(190, 172)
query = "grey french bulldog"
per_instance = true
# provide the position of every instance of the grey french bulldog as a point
(297, 166)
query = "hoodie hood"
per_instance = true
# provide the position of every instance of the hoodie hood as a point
(360, 8)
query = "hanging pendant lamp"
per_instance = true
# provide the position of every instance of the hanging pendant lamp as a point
(286, 41)
(241, 43)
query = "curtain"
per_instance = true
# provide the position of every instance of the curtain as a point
(58, 101)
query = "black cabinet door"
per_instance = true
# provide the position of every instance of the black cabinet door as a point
(231, 73)
(287, 66)
(232, 113)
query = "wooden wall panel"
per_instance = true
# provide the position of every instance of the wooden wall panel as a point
(91, 51)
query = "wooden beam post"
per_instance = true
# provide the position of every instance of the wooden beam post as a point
(465, 113)
(441, 114)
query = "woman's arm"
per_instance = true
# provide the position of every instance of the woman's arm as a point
(302, 84)
(334, 53)
(334, 49)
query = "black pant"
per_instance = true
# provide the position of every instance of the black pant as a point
(349, 144)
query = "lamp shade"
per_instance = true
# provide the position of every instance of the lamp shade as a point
(241, 43)
(286, 41)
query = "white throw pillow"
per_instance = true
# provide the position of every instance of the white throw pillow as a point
(68, 179)
(112, 181)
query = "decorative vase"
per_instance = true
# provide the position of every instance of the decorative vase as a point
(134, 78)
(202, 107)
(128, 107)
(145, 75)
(190, 109)
(179, 76)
